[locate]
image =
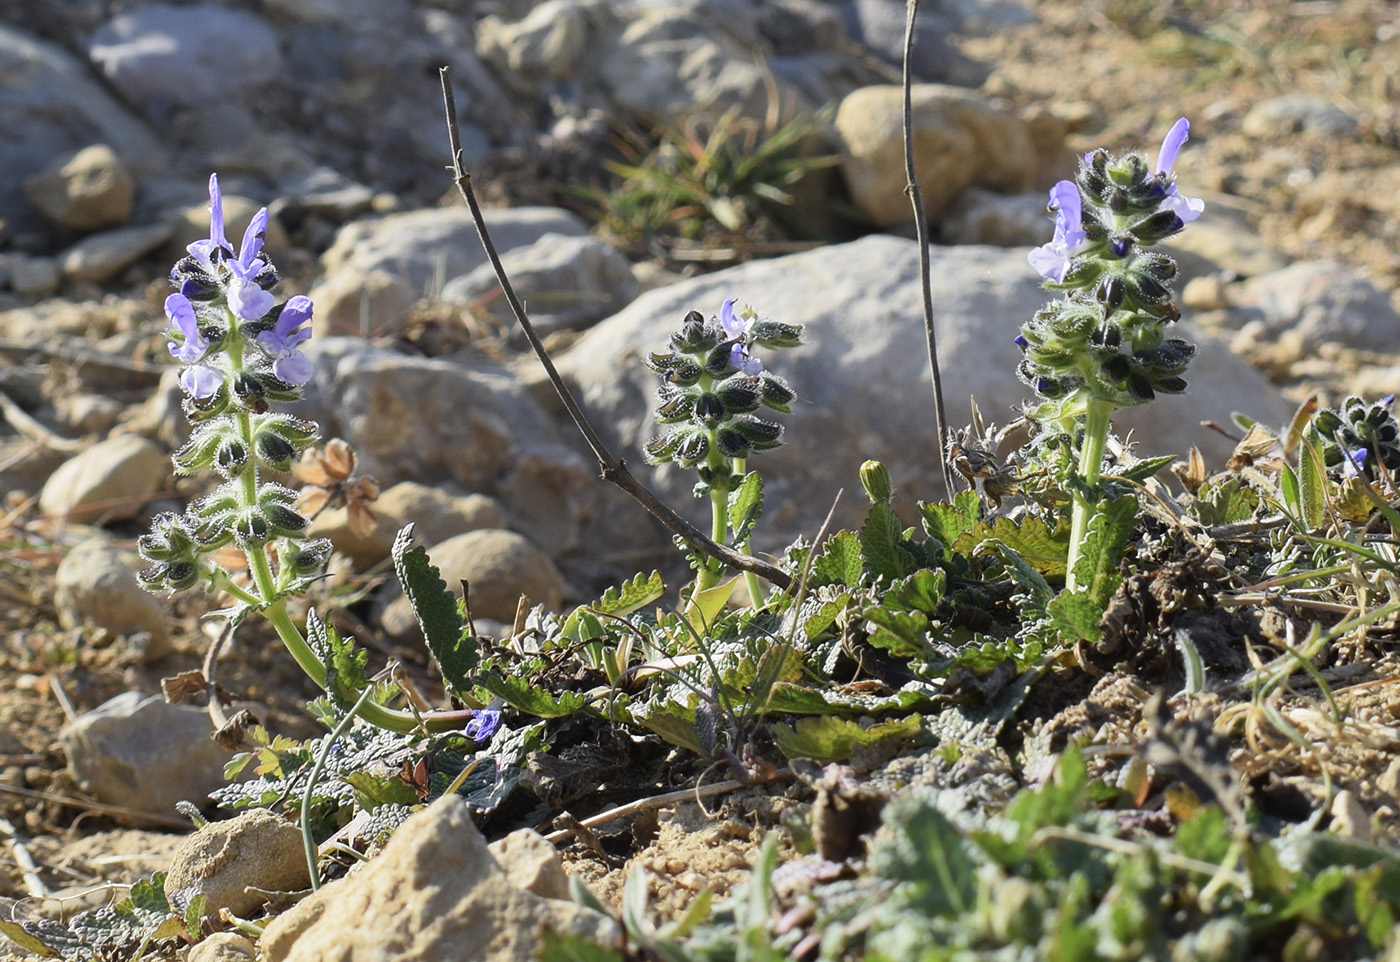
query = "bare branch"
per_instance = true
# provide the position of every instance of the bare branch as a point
(610, 468)
(916, 198)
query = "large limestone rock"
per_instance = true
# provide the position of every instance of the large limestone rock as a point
(862, 377)
(960, 140)
(112, 479)
(433, 893)
(86, 190)
(94, 585)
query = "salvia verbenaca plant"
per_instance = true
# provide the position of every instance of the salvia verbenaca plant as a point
(1359, 440)
(712, 385)
(239, 347)
(1104, 344)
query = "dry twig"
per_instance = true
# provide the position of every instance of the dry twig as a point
(610, 468)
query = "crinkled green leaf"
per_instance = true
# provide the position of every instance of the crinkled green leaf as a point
(675, 723)
(745, 507)
(945, 521)
(1145, 468)
(436, 609)
(583, 623)
(829, 738)
(921, 591)
(1074, 616)
(372, 791)
(1227, 502)
(903, 634)
(522, 695)
(1034, 543)
(343, 659)
(840, 561)
(879, 543)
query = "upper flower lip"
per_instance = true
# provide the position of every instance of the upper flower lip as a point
(1171, 145)
(1053, 260)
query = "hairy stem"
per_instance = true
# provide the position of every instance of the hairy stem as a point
(1086, 501)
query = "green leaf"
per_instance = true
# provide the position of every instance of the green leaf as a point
(745, 507)
(704, 606)
(582, 624)
(1075, 616)
(945, 522)
(676, 724)
(1144, 469)
(194, 916)
(372, 791)
(926, 850)
(437, 612)
(559, 947)
(1109, 530)
(832, 739)
(1229, 502)
(921, 591)
(903, 634)
(344, 661)
(16, 933)
(1312, 480)
(1044, 550)
(840, 562)
(1205, 836)
(879, 543)
(1288, 488)
(521, 695)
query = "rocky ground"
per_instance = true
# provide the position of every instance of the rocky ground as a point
(1294, 271)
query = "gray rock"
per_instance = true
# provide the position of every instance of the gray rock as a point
(795, 28)
(1320, 302)
(1297, 114)
(89, 413)
(94, 585)
(862, 377)
(111, 480)
(548, 44)
(186, 56)
(374, 303)
(531, 863)
(32, 276)
(960, 140)
(136, 751)
(436, 513)
(880, 25)
(47, 93)
(498, 566)
(433, 893)
(412, 418)
(348, 15)
(328, 193)
(86, 190)
(223, 947)
(223, 860)
(102, 256)
(427, 247)
(671, 57)
(1005, 220)
(566, 283)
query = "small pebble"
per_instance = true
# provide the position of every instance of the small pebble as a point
(675, 866)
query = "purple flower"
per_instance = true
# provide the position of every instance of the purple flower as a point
(1053, 260)
(1187, 208)
(483, 725)
(288, 364)
(198, 380)
(1355, 461)
(203, 250)
(739, 329)
(245, 297)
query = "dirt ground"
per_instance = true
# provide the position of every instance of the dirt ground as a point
(1126, 69)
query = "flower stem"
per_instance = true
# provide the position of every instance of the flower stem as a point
(1086, 501)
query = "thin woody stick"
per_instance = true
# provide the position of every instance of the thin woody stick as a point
(916, 198)
(610, 468)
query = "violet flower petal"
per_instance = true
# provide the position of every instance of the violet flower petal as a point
(1171, 145)
(200, 381)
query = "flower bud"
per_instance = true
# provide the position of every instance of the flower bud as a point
(875, 478)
